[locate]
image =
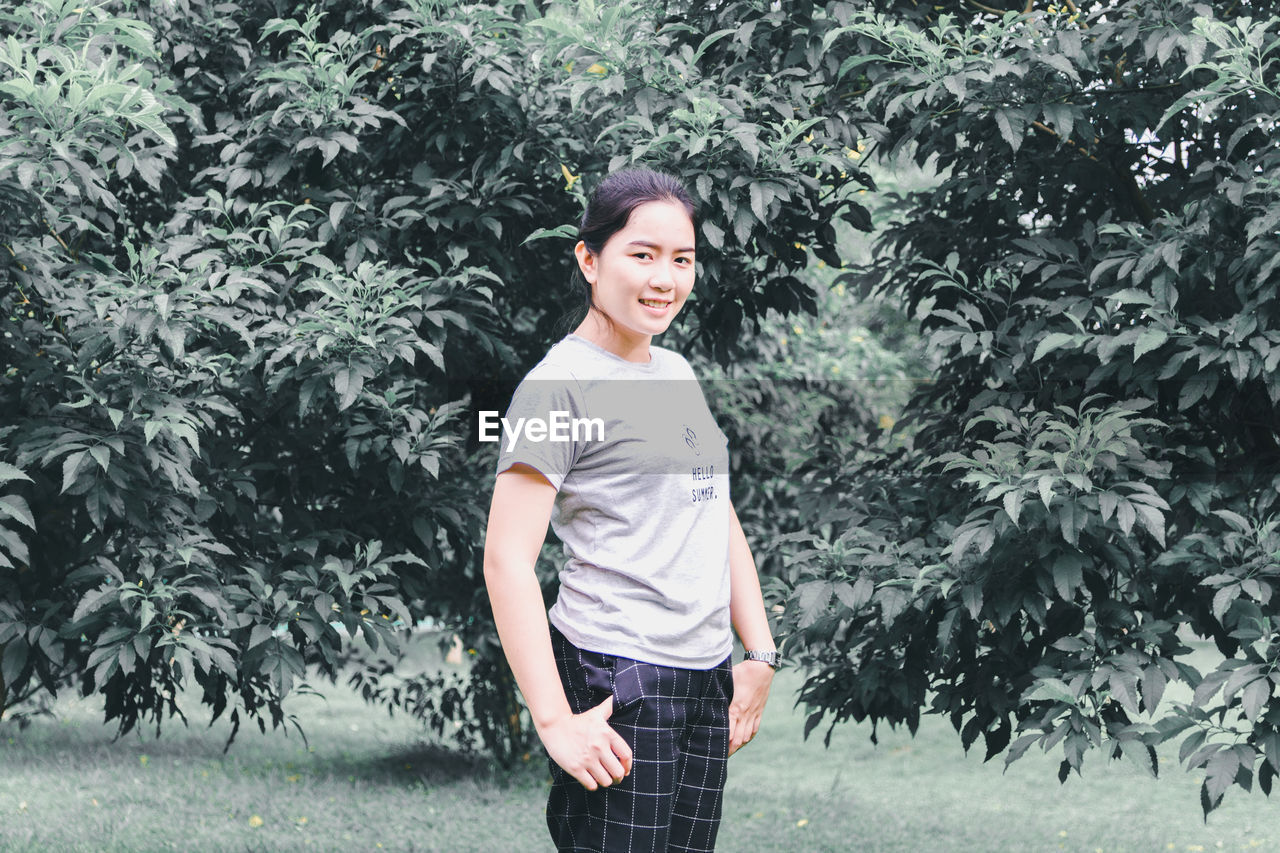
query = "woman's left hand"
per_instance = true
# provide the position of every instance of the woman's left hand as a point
(751, 680)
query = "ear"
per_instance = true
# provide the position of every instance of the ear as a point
(587, 262)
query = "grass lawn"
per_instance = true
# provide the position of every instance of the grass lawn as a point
(372, 783)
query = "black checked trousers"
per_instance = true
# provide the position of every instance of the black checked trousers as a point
(676, 722)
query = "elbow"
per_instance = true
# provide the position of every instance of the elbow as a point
(492, 566)
(499, 567)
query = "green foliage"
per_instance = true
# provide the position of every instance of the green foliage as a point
(1091, 479)
(263, 262)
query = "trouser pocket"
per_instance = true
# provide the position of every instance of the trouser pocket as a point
(587, 676)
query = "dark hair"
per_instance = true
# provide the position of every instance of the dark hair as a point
(608, 210)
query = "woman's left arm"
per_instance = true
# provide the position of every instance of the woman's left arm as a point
(751, 679)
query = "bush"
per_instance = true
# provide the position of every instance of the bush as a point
(1091, 479)
(264, 262)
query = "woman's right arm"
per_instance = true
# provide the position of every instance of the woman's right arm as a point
(585, 745)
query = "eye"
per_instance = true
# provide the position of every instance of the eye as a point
(645, 255)
(686, 261)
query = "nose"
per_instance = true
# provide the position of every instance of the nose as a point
(662, 278)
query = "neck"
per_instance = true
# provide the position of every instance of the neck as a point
(610, 337)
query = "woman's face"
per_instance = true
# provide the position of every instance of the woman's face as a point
(644, 273)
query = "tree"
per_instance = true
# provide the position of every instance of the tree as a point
(1091, 478)
(263, 262)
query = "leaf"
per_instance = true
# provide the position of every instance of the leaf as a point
(1153, 684)
(756, 192)
(1070, 522)
(1124, 689)
(1013, 504)
(997, 739)
(1052, 689)
(14, 662)
(17, 508)
(321, 263)
(1220, 774)
(70, 467)
(1152, 519)
(1223, 599)
(1045, 487)
(1060, 63)
(1020, 747)
(1254, 698)
(1128, 295)
(714, 234)
(1206, 804)
(1191, 743)
(1068, 576)
(1210, 685)
(893, 600)
(1234, 519)
(813, 598)
(562, 231)
(1012, 134)
(854, 62)
(1063, 118)
(1149, 340)
(1125, 515)
(9, 472)
(710, 40)
(1051, 342)
(259, 635)
(856, 595)
(811, 722)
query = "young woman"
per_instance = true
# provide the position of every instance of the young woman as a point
(630, 686)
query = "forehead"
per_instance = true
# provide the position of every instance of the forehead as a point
(662, 222)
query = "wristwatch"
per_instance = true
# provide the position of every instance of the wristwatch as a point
(772, 658)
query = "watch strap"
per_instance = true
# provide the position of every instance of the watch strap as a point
(772, 658)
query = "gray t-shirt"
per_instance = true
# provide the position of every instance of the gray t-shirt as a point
(642, 504)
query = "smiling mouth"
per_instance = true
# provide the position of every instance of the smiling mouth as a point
(654, 303)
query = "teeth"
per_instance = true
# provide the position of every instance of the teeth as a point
(653, 303)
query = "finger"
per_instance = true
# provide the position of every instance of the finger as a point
(613, 767)
(605, 708)
(623, 750)
(586, 780)
(601, 775)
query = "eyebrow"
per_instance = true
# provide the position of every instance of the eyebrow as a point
(648, 245)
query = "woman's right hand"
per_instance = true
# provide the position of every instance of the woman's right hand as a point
(587, 747)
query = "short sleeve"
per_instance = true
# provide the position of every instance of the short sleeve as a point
(538, 425)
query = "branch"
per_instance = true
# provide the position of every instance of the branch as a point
(1135, 90)
(975, 4)
(1130, 183)
(1139, 201)
(1118, 71)
(1075, 13)
(1044, 128)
